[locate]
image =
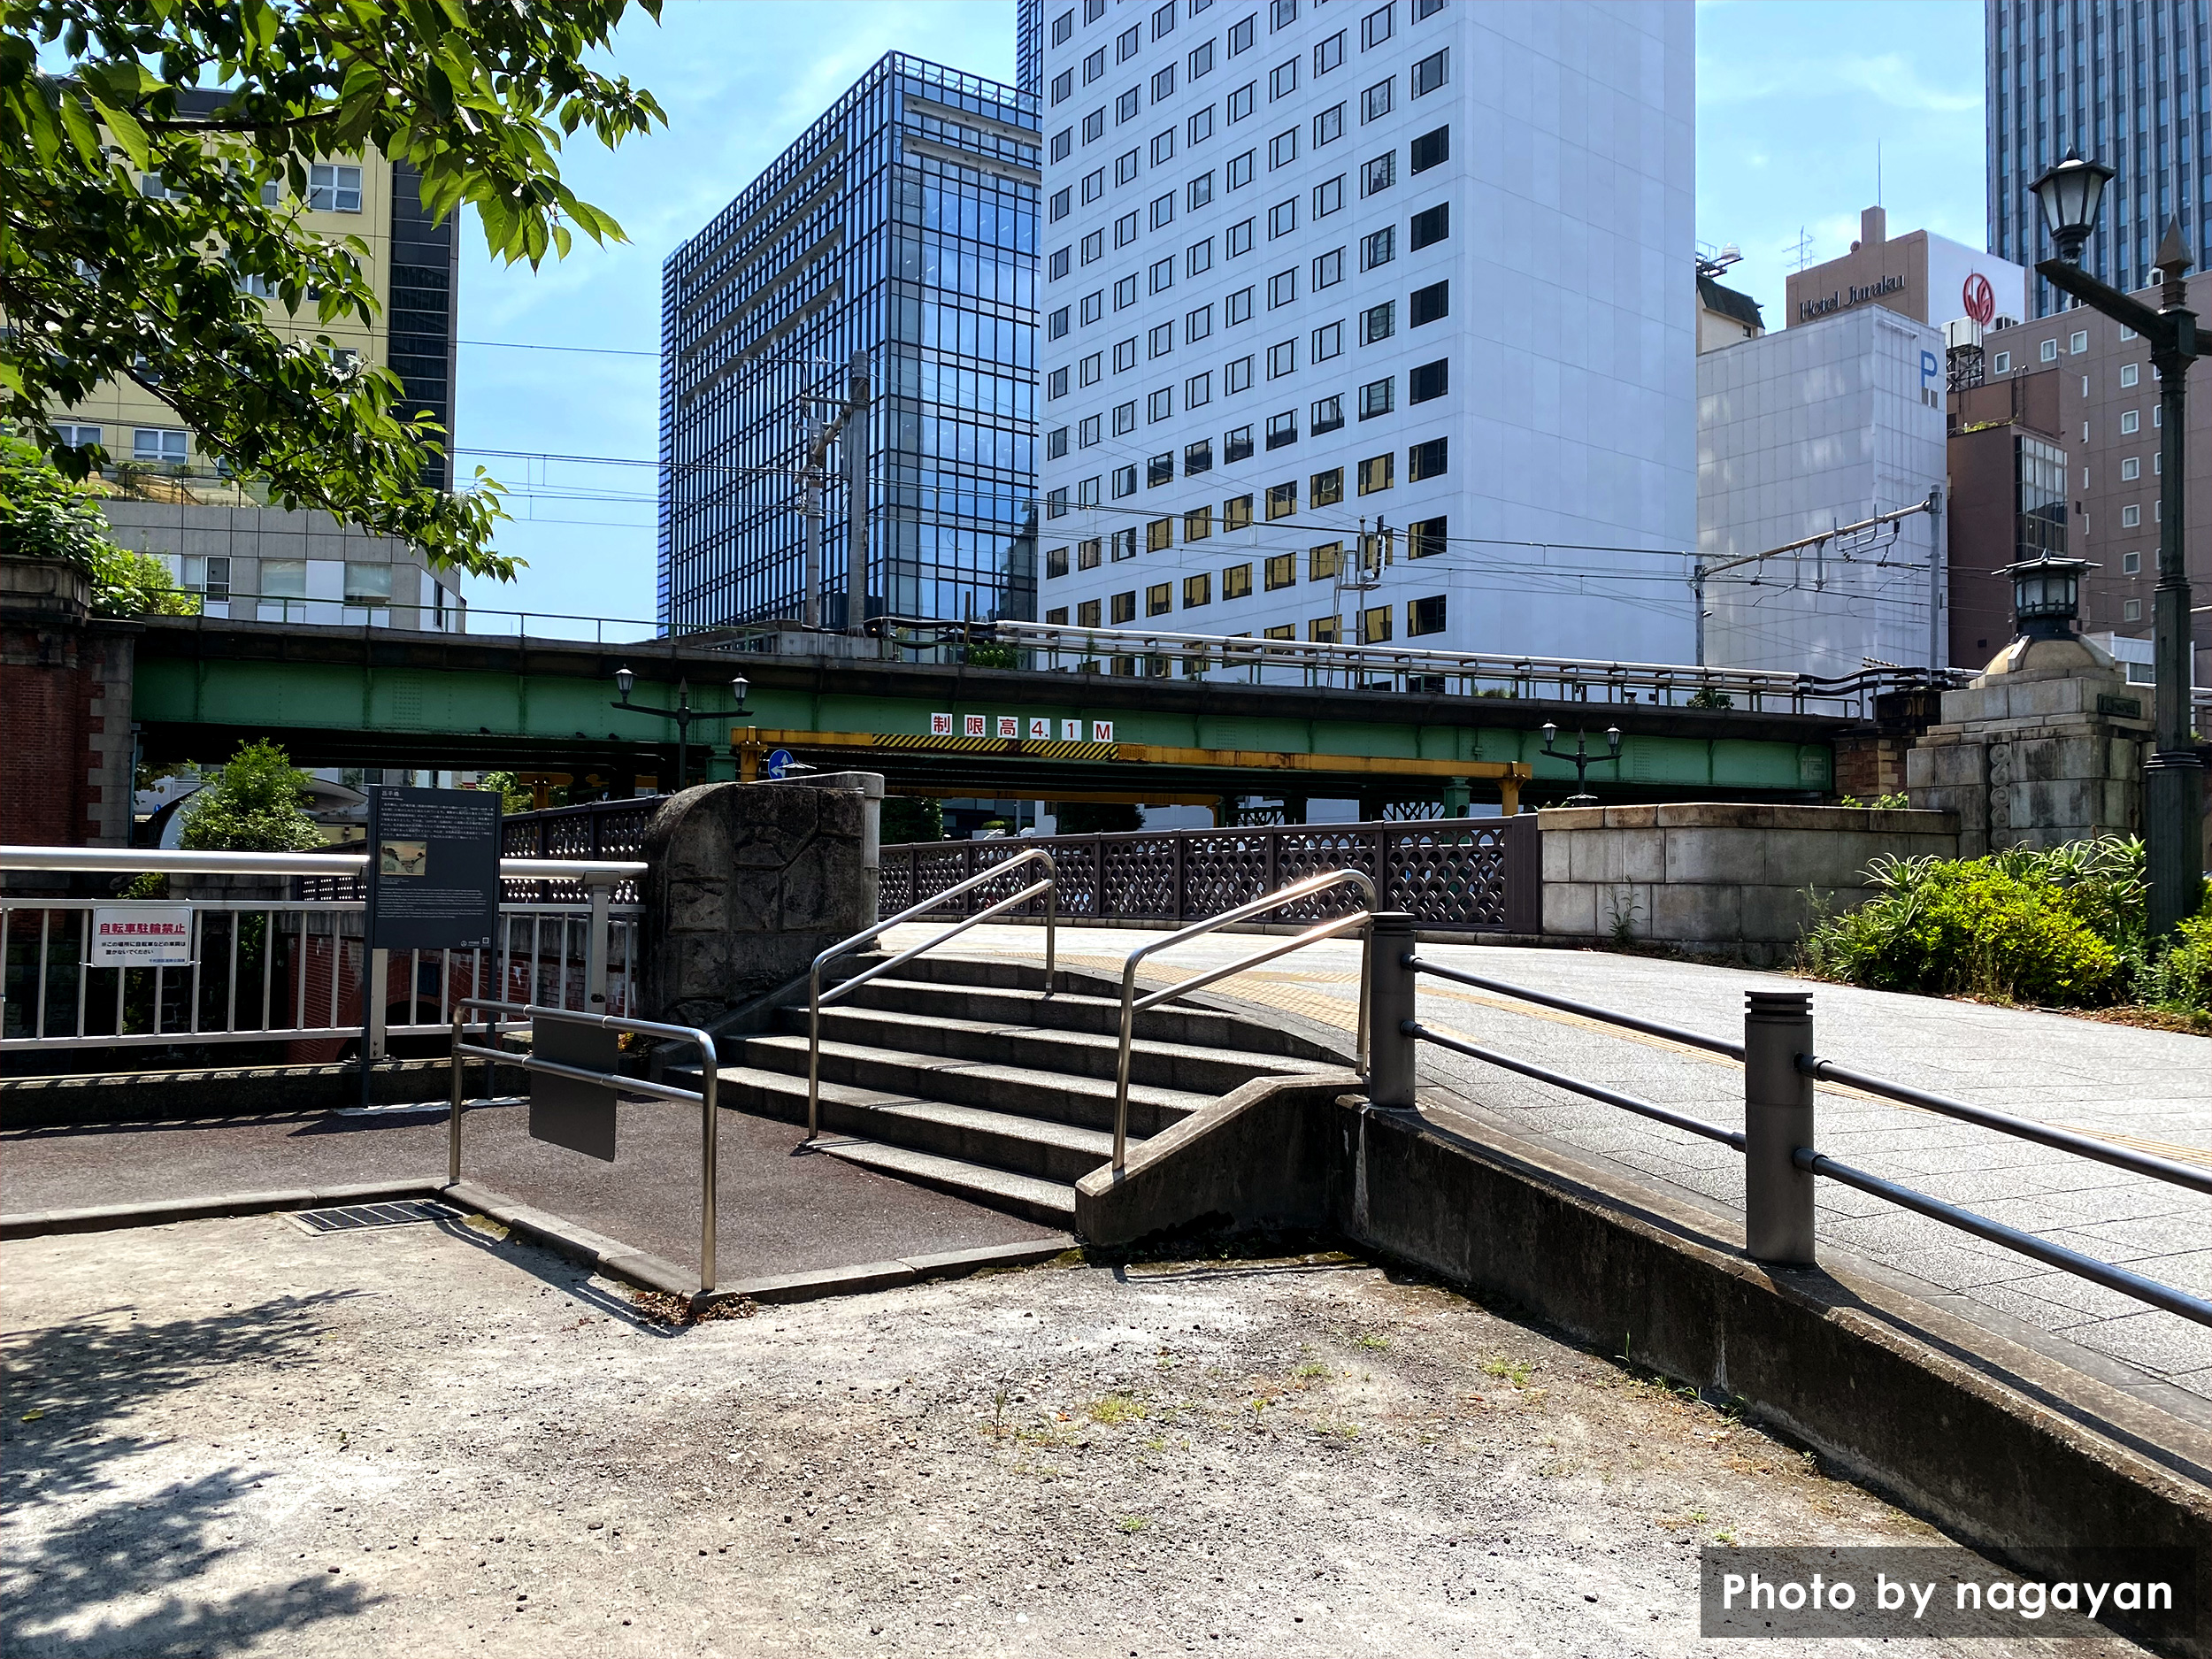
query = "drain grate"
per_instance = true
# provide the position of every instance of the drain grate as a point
(356, 1218)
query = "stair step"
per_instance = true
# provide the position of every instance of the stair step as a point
(1029, 1091)
(1051, 1202)
(1185, 1065)
(1078, 1010)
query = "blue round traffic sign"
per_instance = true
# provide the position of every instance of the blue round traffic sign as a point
(779, 761)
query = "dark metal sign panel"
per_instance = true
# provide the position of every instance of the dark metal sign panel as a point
(565, 1111)
(434, 869)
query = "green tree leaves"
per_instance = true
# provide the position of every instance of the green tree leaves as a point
(43, 516)
(252, 806)
(100, 280)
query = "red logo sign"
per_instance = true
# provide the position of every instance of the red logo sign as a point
(1980, 298)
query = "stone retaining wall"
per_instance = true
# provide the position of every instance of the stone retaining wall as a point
(1725, 878)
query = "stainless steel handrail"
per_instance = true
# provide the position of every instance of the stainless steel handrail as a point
(1048, 887)
(171, 861)
(1131, 1005)
(709, 1123)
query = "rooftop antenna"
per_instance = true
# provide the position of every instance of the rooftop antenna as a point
(1800, 250)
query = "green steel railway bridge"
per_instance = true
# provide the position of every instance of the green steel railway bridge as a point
(1096, 715)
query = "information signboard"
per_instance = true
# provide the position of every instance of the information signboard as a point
(434, 869)
(141, 936)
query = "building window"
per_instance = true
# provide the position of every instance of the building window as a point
(1093, 247)
(1056, 324)
(1162, 83)
(1425, 616)
(1328, 196)
(1428, 304)
(1058, 207)
(2129, 374)
(1379, 174)
(1428, 380)
(1324, 562)
(1126, 229)
(1326, 489)
(1283, 14)
(1198, 390)
(1123, 543)
(2130, 469)
(1164, 274)
(1125, 607)
(1282, 288)
(1282, 571)
(1163, 148)
(283, 579)
(1201, 62)
(1424, 538)
(368, 583)
(1282, 219)
(1159, 599)
(1126, 168)
(1095, 124)
(1056, 562)
(1328, 127)
(1239, 172)
(1124, 354)
(1198, 324)
(1237, 446)
(1090, 307)
(1282, 358)
(1198, 590)
(1125, 292)
(1087, 556)
(2130, 610)
(1282, 499)
(2131, 563)
(1056, 504)
(1430, 224)
(1431, 459)
(1127, 106)
(2131, 421)
(1322, 631)
(1379, 248)
(1057, 616)
(2050, 352)
(1159, 535)
(1282, 149)
(1378, 101)
(1087, 492)
(77, 437)
(1236, 376)
(2131, 518)
(1282, 80)
(1055, 443)
(1237, 308)
(1087, 369)
(1238, 239)
(1429, 150)
(1378, 322)
(1063, 143)
(1429, 74)
(334, 188)
(1200, 191)
(1236, 512)
(1159, 470)
(1056, 265)
(1374, 28)
(1063, 86)
(1062, 27)
(2079, 341)
(2002, 363)
(1236, 582)
(1377, 473)
(1241, 101)
(1328, 342)
(1240, 37)
(1087, 431)
(1375, 399)
(158, 446)
(1086, 613)
(1199, 457)
(1282, 429)
(1374, 626)
(1161, 404)
(1327, 415)
(1200, 128)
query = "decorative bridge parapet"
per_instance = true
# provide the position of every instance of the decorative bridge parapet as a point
(1475, 875)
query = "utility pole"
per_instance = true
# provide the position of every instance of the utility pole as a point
(1939, 564)
(856, 427)
(817, 446)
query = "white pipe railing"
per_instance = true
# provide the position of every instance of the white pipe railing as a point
(173, 862)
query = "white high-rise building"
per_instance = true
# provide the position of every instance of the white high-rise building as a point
(1312, 263)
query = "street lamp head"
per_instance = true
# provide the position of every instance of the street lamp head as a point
(623, 681)
(2070, 194)
(2045, 595)
(1613, 739)
(1551, 730)
(739, 687)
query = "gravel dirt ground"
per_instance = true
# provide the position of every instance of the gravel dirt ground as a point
(228, 1436)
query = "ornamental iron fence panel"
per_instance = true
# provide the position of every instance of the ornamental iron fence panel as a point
(1479, 875)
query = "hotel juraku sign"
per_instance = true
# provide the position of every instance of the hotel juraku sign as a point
(1844, 298)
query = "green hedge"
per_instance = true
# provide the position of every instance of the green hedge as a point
(2064, 927)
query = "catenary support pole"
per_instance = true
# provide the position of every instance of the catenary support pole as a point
(1777, 1111)
(856, 499)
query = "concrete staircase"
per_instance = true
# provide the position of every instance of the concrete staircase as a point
(965, 1076)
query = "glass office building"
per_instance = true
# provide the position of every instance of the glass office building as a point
(902, 227)
(2127, 82)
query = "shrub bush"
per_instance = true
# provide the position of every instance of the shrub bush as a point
(2064, 927)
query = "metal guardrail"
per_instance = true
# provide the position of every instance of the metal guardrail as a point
(1318, 663)
(704, 1095)
(1475, 874)
(815, 999)
(1131, 1005)
(1780, 1160)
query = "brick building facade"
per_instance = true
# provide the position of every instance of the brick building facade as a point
(66, 747)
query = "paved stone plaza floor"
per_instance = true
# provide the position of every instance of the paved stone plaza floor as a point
(231, 1437)
(2148, 1089)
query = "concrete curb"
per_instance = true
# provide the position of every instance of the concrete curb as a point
(564, 1238)
(111, 1217)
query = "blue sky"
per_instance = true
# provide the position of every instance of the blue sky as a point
(1794, 97)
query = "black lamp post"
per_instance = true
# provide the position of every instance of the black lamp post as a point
(2045, 595)
(1582, 759)
(683, 714)
(2070, 194)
